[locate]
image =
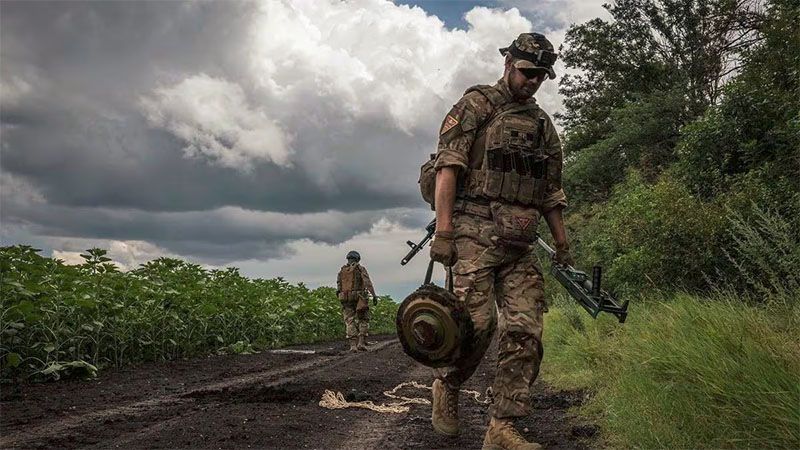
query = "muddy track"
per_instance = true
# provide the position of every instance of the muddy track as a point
(267, 400)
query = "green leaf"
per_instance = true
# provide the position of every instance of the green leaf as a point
(86, 303)
(49, 348)
(78, 367)
(208, 309)
(52, 369)
(13, 360)
(26, 308)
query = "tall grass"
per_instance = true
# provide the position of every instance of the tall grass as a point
(58, 320)
(684, 372)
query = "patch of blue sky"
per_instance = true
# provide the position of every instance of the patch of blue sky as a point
(451, 12)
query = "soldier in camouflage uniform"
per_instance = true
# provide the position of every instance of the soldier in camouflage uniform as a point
(498, 169)
(352, 287)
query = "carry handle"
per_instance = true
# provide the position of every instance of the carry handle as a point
(448, 284)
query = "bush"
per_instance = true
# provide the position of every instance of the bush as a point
(655, 236)
(765, 252)
(642, 137)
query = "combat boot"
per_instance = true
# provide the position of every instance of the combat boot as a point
(353, 345)
(444, 416)
(362, 343)
(502, 435)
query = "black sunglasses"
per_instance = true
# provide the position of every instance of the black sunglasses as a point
(533, 73)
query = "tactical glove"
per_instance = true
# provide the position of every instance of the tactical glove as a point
(563, 256)
(443, 248)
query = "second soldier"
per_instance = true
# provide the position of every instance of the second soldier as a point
(353, 288)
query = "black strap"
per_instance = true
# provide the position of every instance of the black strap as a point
(448, 284)
(542, 58)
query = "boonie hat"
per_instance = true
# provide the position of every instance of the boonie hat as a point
(532, 51)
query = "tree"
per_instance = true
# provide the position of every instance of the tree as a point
(652, 45)
(753, 135)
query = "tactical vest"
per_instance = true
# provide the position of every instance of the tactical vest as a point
(508, 160)
(351, 278)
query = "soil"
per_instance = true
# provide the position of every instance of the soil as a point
(266, 400)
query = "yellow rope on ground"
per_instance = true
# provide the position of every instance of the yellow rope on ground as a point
(335, 400)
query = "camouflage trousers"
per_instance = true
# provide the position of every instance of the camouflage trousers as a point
(502, 288)
(356, 322)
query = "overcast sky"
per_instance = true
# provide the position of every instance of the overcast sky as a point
(273, 136)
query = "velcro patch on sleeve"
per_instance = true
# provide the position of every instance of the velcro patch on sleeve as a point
(449, 123)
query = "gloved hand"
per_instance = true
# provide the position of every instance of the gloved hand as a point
(443, 248)
(563, 256)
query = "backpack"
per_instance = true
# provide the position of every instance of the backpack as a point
(351, 278)
(427, 181)
(427, 173)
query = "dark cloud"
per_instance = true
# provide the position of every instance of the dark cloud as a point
(82, 141)
(76, 136)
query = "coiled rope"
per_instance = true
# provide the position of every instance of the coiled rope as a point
(336, 400)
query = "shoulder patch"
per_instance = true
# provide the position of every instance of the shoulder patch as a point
(449, 123)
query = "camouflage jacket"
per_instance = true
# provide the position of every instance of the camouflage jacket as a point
(461, 126)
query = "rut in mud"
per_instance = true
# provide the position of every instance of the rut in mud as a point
(266, 400)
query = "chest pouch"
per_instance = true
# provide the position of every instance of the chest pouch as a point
(520, 140)
(513, 159)
(493, 180)
(510, 187)
(515, 225)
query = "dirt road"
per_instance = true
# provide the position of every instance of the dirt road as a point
(266, 400)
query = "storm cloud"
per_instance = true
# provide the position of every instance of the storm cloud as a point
(228, 131)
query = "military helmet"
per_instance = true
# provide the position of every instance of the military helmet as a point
(352, 254)
(532, 51)
(433, 325)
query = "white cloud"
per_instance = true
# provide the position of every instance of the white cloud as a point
(69, 258)
(373, 58)
(358, 88)
(215, 120)
(126, 255)
(325, 65)
(13, 89)
(558, 15)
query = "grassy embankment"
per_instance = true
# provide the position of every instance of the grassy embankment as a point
(683, 372)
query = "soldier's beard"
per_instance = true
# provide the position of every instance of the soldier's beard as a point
(523, 91)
